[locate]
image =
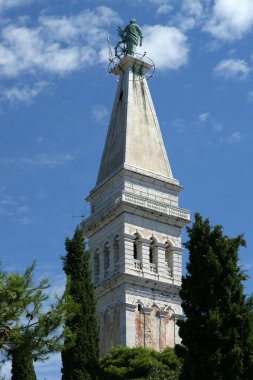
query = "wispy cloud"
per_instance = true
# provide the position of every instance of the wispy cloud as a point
(100, 113)
(203, 117)
(234, 138)
(179, 124)
(250, 97)
(232, 69)
(230, 19)
(23, 93)
(6, 4)
(39, 160)
(164, 9)
(15, 209)
(57, 45)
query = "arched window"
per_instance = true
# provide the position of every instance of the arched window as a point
(137, 252)
(151, 254)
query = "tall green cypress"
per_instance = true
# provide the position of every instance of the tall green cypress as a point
(80, 356)
(217, 331)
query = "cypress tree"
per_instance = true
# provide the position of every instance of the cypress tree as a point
(80, 356)
(217, 331)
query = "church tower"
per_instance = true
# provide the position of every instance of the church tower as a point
(135, 225)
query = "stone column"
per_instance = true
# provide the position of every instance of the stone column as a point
(111, 261)
(129, 325)
(129, 252)
(101, 265)
(161, 270)
(117, 324)
(121, 262)
(175, 318)
(177, 265)
(162, 336)
(147, 327)
(145, 245)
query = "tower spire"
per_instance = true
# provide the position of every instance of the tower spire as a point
(134, 139)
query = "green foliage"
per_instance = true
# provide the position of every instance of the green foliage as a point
(22, 364)
(217, 332)
(140, 363)
(15, 295)
(80, 356)
(28, 332)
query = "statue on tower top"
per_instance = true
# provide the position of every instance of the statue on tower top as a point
(130, 37)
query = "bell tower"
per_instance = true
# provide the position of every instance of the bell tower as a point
(135, 225)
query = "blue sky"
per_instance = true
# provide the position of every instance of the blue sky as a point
(55, 101)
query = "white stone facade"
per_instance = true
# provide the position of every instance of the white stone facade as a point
(134, 230)
(136, 260)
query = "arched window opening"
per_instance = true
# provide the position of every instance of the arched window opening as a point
(151, 254)
(137, 253)
(135, 250)
(139, 308)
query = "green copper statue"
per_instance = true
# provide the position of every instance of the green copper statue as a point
(130, 37)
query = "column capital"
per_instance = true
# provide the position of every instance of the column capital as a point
(161, 245)
(177, 249)
(144, 241)
(129, 306)
(146, 310)
(163, 314)
(128, 237)
(176, 317)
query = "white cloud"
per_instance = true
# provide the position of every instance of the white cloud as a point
(164, 9)
(23, 93)
(217, 126)
(250, 97)
(231, 19)
(166, 45)
(57, 44)
(50, 160)
(23, 210)
(6, 4)
(203, 117)
(39, 160)
(99, 113)
(179, 125)
(234, 138)
(232, 68)
(193, 7)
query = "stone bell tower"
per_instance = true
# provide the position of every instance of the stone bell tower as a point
(135, 225)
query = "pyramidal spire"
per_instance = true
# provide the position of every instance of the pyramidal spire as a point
(134, 139)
